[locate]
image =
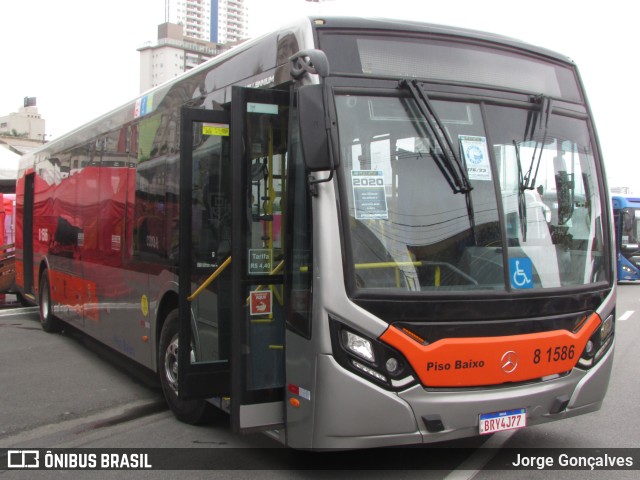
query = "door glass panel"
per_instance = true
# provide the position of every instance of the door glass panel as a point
(266, 134)
(210, 241)
(266, 191)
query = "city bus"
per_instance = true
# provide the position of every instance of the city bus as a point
(626, 220)
(371, 232)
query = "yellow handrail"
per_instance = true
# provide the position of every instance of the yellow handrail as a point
(367, 266)
(211, 278)
(259, 288)
(279, 267)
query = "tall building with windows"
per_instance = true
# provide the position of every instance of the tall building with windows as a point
(173, 54)
(193, 15)
(231, 24)
(216, 21)
(194, 31)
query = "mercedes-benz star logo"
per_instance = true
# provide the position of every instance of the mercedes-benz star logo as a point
(509, 361)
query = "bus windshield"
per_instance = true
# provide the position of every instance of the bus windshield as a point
(532, 220)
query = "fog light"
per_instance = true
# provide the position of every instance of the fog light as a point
(588, 349)
(392, 365)
(358, 345)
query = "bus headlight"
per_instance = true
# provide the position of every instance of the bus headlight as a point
(598, 344)
(606, 328)
(370, 358)
(358, 345)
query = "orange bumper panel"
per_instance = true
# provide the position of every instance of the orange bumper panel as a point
(479, 361)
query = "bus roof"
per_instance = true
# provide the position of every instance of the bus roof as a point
(430, 28)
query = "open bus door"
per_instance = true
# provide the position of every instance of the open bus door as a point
(205, 238)
(233, 168)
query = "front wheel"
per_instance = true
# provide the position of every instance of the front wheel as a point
(48, 320)
(194, 412)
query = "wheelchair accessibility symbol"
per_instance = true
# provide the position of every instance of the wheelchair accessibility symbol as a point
(521, 272)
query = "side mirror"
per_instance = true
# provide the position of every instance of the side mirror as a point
(313, 132)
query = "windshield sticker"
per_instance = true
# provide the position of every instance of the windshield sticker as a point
(215, 129)
(476, 157)
(521, 272)
(369, 195)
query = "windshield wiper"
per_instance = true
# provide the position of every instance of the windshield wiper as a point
(448, 161)
(534, 125)
(528, 181)
(522, 201)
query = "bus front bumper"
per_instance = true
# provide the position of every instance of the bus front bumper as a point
(357, 414)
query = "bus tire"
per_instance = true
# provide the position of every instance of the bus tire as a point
(49, 322)
(193, 412)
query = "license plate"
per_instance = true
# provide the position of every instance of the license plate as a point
(499, 421)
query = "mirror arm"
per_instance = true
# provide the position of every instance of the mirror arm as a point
(309, 61)
(327, 125)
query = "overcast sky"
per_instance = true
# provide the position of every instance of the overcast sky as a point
(79, 57)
